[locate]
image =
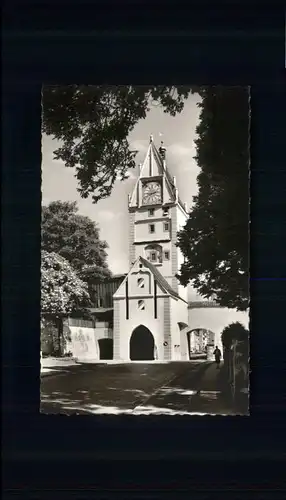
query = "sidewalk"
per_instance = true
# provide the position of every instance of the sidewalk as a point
(53, 365)
(209, 398)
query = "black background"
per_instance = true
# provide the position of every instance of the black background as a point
(137, 42)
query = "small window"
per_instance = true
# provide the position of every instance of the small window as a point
(141, 305)
(166, 226)
(151, 212)
(165, 211)
(140, 282)
(167, 255)
(140, 266)
(153, 256)
(151, 228)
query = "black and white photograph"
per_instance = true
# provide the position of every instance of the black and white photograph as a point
(145, 250)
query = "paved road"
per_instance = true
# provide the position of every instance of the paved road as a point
(135, 388)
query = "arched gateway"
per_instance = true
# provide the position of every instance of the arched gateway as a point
(201, 341)
(142, 344)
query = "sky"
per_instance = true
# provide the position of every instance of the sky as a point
(111, 214)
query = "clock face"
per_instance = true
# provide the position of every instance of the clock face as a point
(152, 193)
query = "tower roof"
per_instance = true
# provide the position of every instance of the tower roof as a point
(154, 165)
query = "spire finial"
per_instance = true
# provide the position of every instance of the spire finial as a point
(151, 138)
(162, 150)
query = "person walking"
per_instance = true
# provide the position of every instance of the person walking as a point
(217, 355)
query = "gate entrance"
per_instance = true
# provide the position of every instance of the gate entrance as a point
(141, 344)
(200, 342)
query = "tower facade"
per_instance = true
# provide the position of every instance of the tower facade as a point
(150, 306)
(156, 214)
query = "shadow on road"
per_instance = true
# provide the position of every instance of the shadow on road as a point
(137, 389)
(105, 388)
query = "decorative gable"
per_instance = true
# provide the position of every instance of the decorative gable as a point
(142, 269)
(154, 169)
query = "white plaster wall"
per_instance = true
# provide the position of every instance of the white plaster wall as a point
(165, 267)
(181, 221)
(134, 289)
(142, 230)
(183, 292)
(167, 196)
(84, 343)
(146, 318)
(179, 313)
(143, 214)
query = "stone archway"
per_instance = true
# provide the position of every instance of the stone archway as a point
(201, 342)
(142, 344)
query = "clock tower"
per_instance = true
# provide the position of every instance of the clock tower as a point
(156, 214)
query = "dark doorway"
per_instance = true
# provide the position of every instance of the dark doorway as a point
(141, 344)
(105, 348)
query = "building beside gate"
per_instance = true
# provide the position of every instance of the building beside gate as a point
(152, 316)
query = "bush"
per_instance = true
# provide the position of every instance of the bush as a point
(232, 332)
(235, 360)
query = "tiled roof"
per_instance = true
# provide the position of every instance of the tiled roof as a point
(160, 279)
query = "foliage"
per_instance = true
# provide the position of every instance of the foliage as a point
(236, 364)
(215, 239)
(51, 341)
(54, 340)
(76, 238)
(62, 291)
(93, 123)
(232, 332)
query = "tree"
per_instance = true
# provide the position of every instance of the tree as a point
(93, 123)
(215, 239)
(62, 291)
(76, 238)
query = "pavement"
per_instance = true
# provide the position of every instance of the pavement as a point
(184, 388)
(55, 365)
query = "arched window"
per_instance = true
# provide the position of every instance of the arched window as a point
(154, 253)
